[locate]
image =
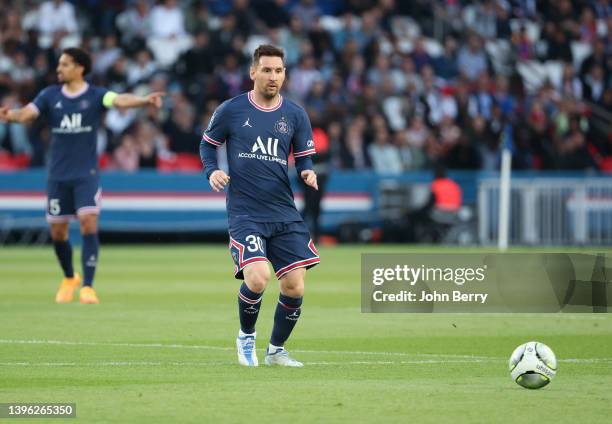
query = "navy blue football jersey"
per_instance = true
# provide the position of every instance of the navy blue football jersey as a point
(259, 141)
(74, 121)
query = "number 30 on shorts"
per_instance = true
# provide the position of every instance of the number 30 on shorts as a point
(255, 243)
(54, 207)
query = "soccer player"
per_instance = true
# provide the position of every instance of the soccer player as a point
(74, 109)
(261, 129)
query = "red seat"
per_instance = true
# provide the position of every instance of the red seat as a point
(606, 164)
(180, 162)
(10, 162)
(187, 162)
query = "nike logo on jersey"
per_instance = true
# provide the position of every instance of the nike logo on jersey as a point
(246, 123)
(58, 105)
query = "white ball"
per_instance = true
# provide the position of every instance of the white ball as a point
(533, 365)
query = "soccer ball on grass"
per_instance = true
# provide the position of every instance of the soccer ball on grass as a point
(533, 365)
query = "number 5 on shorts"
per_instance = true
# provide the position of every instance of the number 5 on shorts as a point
(54, 207)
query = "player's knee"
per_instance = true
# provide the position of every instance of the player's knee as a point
(59, 232)
(89, 224)
(293, 285)
(257, 277)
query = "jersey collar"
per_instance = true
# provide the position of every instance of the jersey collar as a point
(74, 95)
(262, 108)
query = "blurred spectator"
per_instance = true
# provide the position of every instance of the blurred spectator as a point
(231, 76)
(168, 36)
(472, 60)
(10, 27)
(135, 24)
(481, 101)
(151, 144)
(354, 155)
(107, 55)
(273, 12)
(598, 57)
(558, 46)
(572, 147)
(246, 19)
(446, 64)
(290, 39)
(415, 138)
(126, 157)
(180, 128)
(485, 20)
(570, 85)
(14, 136)
(316, 101)
(141, 69)
(303, 77)
(419, 55)
(307, 11)
(116, 76)
(56, 16)
(479, 134)
(384, 155)
(594, 84)
(521, 44)
(588, 25)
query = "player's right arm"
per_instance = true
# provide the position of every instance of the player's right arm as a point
(215, 135)
(23, 115)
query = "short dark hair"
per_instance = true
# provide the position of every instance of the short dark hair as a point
(267, 50)
(80, 57)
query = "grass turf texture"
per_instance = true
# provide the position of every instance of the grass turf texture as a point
(160, 348)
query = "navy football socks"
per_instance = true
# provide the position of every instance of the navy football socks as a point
(89, 257)
(287, 313)
(249, 303)
(63, 251)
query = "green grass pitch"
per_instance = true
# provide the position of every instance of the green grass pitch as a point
(160, 349)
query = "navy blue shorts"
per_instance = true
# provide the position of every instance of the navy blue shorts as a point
(287, 245)
(66, 199)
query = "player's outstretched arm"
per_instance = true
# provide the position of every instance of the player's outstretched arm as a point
(22, 115)
(128, 100)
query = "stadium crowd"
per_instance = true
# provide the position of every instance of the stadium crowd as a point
(389, 85)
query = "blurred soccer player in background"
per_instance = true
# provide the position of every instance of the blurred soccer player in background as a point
(261, 129)
(74, 109)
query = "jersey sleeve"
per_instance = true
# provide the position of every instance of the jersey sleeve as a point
(41, 101)
(100, 93)
(303, 144)
(218, 129)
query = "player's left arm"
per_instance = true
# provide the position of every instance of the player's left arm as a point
(303, 148)
(128, 100)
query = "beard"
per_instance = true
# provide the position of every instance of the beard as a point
(270, 94)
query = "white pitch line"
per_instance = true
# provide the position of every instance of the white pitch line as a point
(198, 364)
(457, 358)
(181, 346)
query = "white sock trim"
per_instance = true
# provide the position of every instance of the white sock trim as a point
(273, 348)
(243, 334)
